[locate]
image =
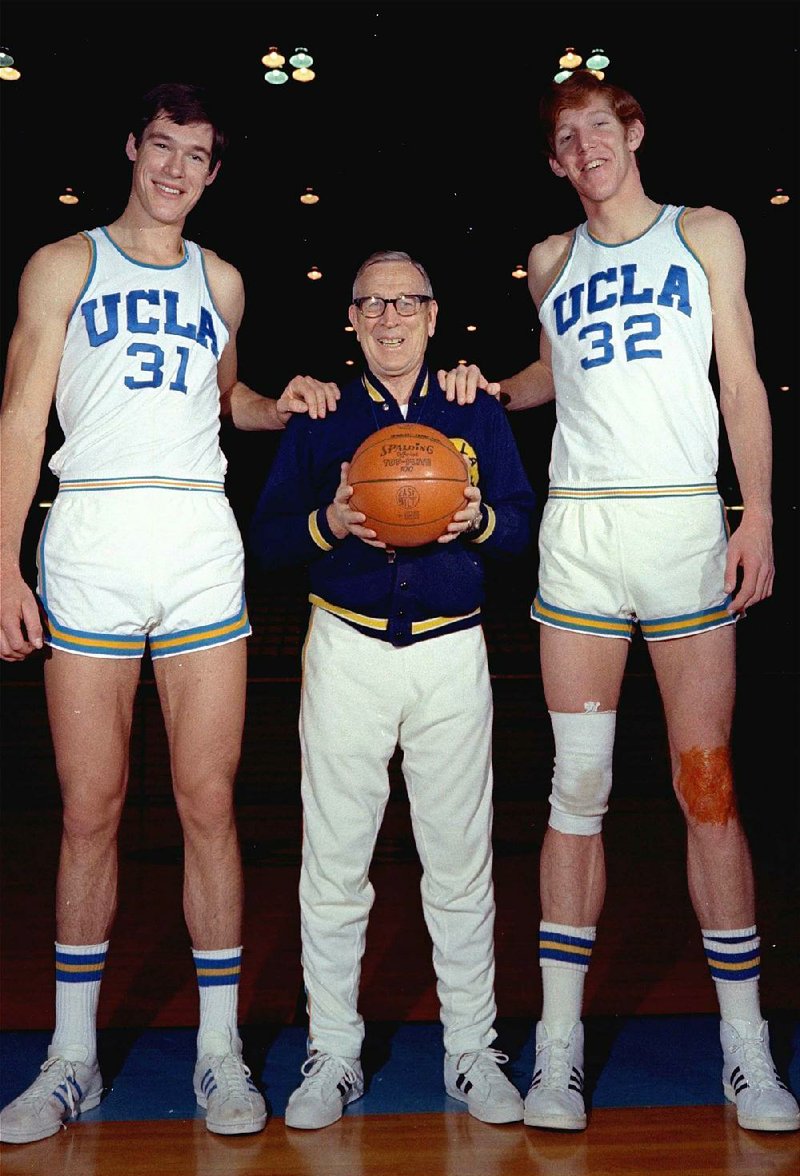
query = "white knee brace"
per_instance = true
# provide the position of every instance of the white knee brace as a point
(582, 771)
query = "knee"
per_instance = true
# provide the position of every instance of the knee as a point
(704, 786)
(92, 814)
(582, 773)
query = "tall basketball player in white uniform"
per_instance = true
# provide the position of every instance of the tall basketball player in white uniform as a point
(132, 330)
(634, 533)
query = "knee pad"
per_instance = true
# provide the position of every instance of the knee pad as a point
(582, 771)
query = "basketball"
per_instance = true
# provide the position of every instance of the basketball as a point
(409, 481)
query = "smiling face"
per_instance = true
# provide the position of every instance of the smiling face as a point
(594, 150)
(394, 345)
(171, 168)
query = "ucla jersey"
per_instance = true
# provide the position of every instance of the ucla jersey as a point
(137, 395)
(631, 334)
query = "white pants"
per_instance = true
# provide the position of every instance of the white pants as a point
(361, 697)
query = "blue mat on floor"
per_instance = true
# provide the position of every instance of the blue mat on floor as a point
(630, 1062)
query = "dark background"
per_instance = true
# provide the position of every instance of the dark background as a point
(418, 133)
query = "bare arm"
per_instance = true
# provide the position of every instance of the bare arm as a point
(248, 409)
(716, 238)
(48, 288)
(534, 385)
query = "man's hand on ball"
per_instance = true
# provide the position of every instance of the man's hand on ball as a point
(343, 520)
(466, 520)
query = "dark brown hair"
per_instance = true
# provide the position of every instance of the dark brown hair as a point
(185, 105)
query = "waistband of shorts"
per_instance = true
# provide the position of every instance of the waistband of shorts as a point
(691, 490)
(192, 485)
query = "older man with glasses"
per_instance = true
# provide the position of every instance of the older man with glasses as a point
(395, 656)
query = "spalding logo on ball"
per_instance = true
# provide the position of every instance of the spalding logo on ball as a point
(409, 481)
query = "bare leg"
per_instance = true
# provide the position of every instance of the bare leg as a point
(203, 699)
(90, 705)
(696, 677)
(577, 670)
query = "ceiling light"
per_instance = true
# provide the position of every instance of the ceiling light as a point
(519, 271)
(9, 73)
(349, 362)
(349, 328)
(276, 77)
(314, 274)
(68, 197)
(273, 59)
(562, 75)
(472, 327)
(301, 74)
(570, 59)
(301, 59)
(780, 197)
(309, 197)
(462, 362)
(597, 73)
(597, 60)
(5, 58)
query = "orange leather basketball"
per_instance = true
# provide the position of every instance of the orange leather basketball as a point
(409, 481)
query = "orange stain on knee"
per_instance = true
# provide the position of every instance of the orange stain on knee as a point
(705, 782)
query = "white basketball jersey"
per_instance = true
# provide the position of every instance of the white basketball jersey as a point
(137, 394)
(631, 335)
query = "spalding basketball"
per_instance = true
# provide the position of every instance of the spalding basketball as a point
(409, 481)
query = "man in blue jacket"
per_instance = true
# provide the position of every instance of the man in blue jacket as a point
(395, 654)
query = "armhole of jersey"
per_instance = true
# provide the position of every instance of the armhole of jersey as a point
(679, 215)
(90, 273)
(206, 282)
(563, 266)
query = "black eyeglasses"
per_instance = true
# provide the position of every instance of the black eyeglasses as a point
(405, 304)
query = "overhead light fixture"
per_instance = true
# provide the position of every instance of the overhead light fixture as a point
(349, 362)
(5, 58)
(314, 274)
(9, 73)
(68, 197)
(273, 59)
(309, 197)
(301, 59)
(276, 77)
(596, 63)
(471, 327)
(303, 74)
(597, 60)
(349, 328)
(519, 271)
(462, 363)
(779, 197)
(570, 59)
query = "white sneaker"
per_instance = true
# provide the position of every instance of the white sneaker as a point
(62, 1090)
(750, 1080)
(555, 1098)
(225, 1089)
(329, 1084)
(476, 1079)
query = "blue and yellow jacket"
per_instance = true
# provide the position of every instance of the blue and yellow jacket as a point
(411, 593)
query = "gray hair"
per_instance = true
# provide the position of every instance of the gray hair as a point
(394, 255)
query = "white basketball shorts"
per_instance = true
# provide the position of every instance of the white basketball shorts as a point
(119, 567)
(607, 564)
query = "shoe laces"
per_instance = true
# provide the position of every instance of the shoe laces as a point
(231, 1075)
(755, 1062)
(323, 1071)
(482, 1064)
(556, 1062)
(62, 1084)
